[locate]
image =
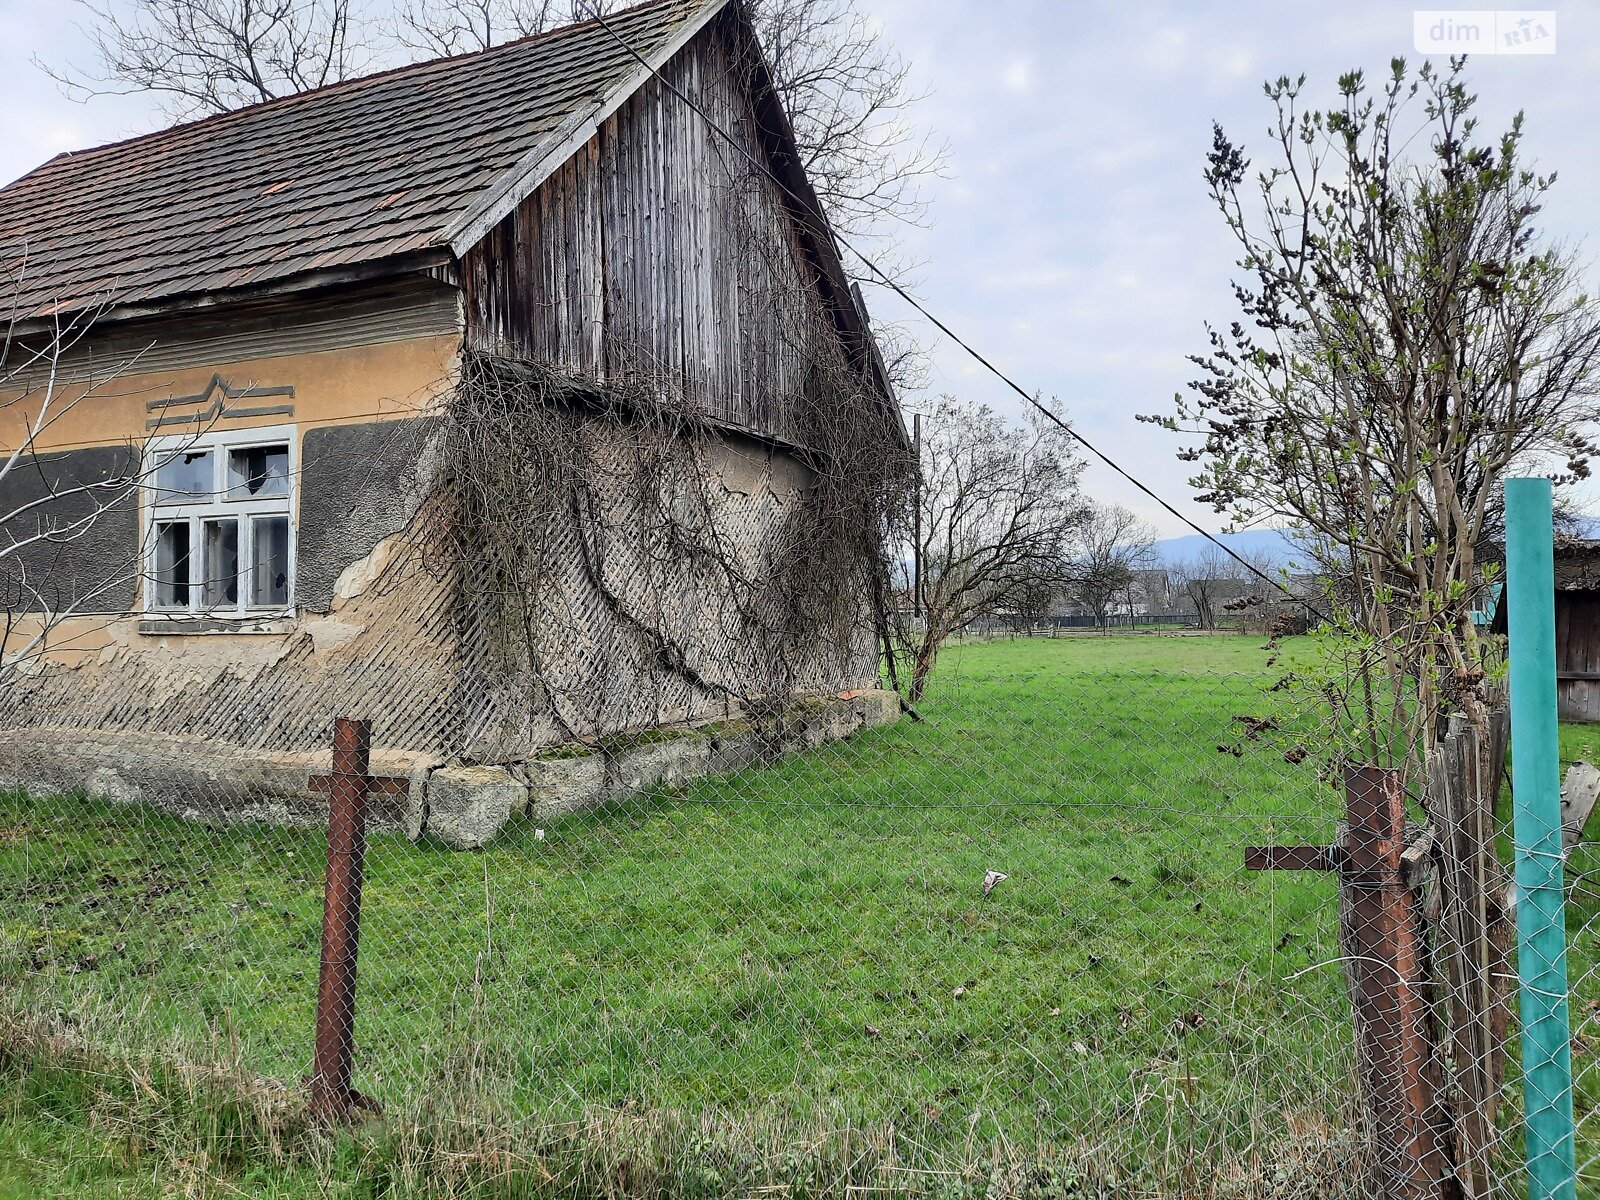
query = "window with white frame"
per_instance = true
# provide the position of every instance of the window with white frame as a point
(220, 530)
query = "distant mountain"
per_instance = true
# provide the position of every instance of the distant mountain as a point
(1253, 541)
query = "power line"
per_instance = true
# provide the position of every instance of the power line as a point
(940, 325)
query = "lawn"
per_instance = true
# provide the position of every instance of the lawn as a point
(800, 945)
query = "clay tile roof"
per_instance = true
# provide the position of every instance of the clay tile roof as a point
(348, 174)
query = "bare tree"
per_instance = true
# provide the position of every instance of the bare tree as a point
(212, 56)
(850, 98)
(1208, 579)
(1029, 601)
(999, 506)
(47, 502)
(444, 27)
(1196, 579)
(1211, 580)
(1112, 543)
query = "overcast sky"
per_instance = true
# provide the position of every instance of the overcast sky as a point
(1073, 242)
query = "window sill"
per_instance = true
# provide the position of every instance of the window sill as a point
(185, 626)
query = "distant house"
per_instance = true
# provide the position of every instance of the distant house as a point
(1146, 592)
(1150, 592)
(284, 307)
(1206, 598)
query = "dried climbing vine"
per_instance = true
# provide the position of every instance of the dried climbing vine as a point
(611, 573)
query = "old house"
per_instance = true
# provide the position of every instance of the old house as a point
(515, 400)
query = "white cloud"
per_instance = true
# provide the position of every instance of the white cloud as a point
(1237, 63)
(1037, 278)
(1018, 75)
(1167, 48)
(1119, 157)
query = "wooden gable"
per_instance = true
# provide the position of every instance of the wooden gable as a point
(657, 248)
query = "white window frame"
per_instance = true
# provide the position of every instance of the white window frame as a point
(217, 505)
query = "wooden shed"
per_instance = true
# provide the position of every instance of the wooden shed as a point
(1577, 576)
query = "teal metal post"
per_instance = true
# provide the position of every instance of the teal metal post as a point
(1536, 778)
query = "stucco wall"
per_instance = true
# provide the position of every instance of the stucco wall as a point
(361, 402)
(634, 625)
(359, 483)
(345, 386)
(383, 633)
(360, 412)
(75, 528)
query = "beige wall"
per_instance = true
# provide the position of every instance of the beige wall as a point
(97, 404)
(335, 386)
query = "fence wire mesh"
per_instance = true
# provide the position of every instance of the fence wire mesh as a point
(1583, 958)
(1002, 942)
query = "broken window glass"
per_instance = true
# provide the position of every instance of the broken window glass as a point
(184, 477)
(258, 471)
(221, 508)
(172, 564)
(269, 573)
(220, 540)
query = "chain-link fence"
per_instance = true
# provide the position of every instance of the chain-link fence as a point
(1001, 941)
(1583, 965)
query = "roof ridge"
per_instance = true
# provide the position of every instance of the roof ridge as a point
(353, 83)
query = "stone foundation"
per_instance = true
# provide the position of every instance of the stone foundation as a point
(463, 806)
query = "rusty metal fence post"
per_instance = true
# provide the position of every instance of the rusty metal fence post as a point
(1383, 939)
(331, 1094)
(347, 788)
(1383, 944)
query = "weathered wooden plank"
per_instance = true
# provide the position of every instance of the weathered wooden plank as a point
(593, 258)
(1452, 798)
(1463, 779)
(1579, 791)
(659, 247)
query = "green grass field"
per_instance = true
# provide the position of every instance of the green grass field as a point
(803, 944)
